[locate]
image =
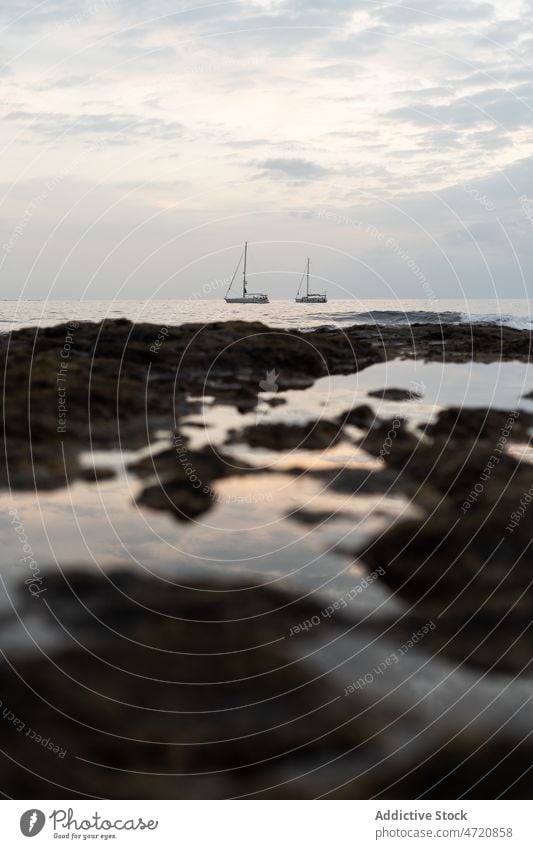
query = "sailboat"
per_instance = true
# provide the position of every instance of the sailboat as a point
(246, 297)
(309, 297)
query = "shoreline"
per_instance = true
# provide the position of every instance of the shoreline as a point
(424, 593)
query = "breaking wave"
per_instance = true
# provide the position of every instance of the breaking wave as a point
(407, 317)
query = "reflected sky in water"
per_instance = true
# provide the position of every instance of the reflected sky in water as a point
(251, 530)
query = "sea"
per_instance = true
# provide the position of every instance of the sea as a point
(517, 313)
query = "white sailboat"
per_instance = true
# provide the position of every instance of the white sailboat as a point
(309, 297)
(246, 297)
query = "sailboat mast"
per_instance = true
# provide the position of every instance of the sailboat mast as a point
(307, 276)
(244, 272)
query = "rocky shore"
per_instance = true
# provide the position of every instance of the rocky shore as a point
(114, 384)
(167, 690)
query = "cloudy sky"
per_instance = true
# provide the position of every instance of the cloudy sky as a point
(143, 142)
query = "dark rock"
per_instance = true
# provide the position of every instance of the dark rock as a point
(469, 764)
(388, 436)
(358, 481)
(179, 462)
(447, 342)
(277, 436)
(97, 473)
(123, 382)
(467, 563)
(395, 394)
(178, 497)
(468, 572)
(430, 470)
(469, 423)
(37, 466)
(184, 482)
(316, 517)
(184, 693)
(362, 416)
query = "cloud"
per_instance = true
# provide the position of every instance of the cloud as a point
(434, 12)
(356, 103)
(117, 128)
(301, 170)
(510, 108)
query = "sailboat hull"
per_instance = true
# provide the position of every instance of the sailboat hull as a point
(312, 299)
(249, 299)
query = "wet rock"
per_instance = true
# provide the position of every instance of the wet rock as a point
(178, 497)
(182, 463)
(362, 416)
(462, 449)
(468, 764)
(124, 382)
(447, 342)
(116, 384)
(97, 473)
(470, 572)
(453, 468)
(277, 436)
(184, 479)
(388, 436)
(37, 466)
(174, 683)
(358, 481)
(197, 425)
(395, 394)
(184, 693)
(316, 517)
(466, 563)
(481, 424)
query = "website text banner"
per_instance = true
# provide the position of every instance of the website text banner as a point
(268, 824)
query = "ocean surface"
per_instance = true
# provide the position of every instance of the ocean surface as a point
(512, 313)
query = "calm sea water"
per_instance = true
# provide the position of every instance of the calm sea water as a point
(514, 313)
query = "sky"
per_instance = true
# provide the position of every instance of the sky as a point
(143, 142)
